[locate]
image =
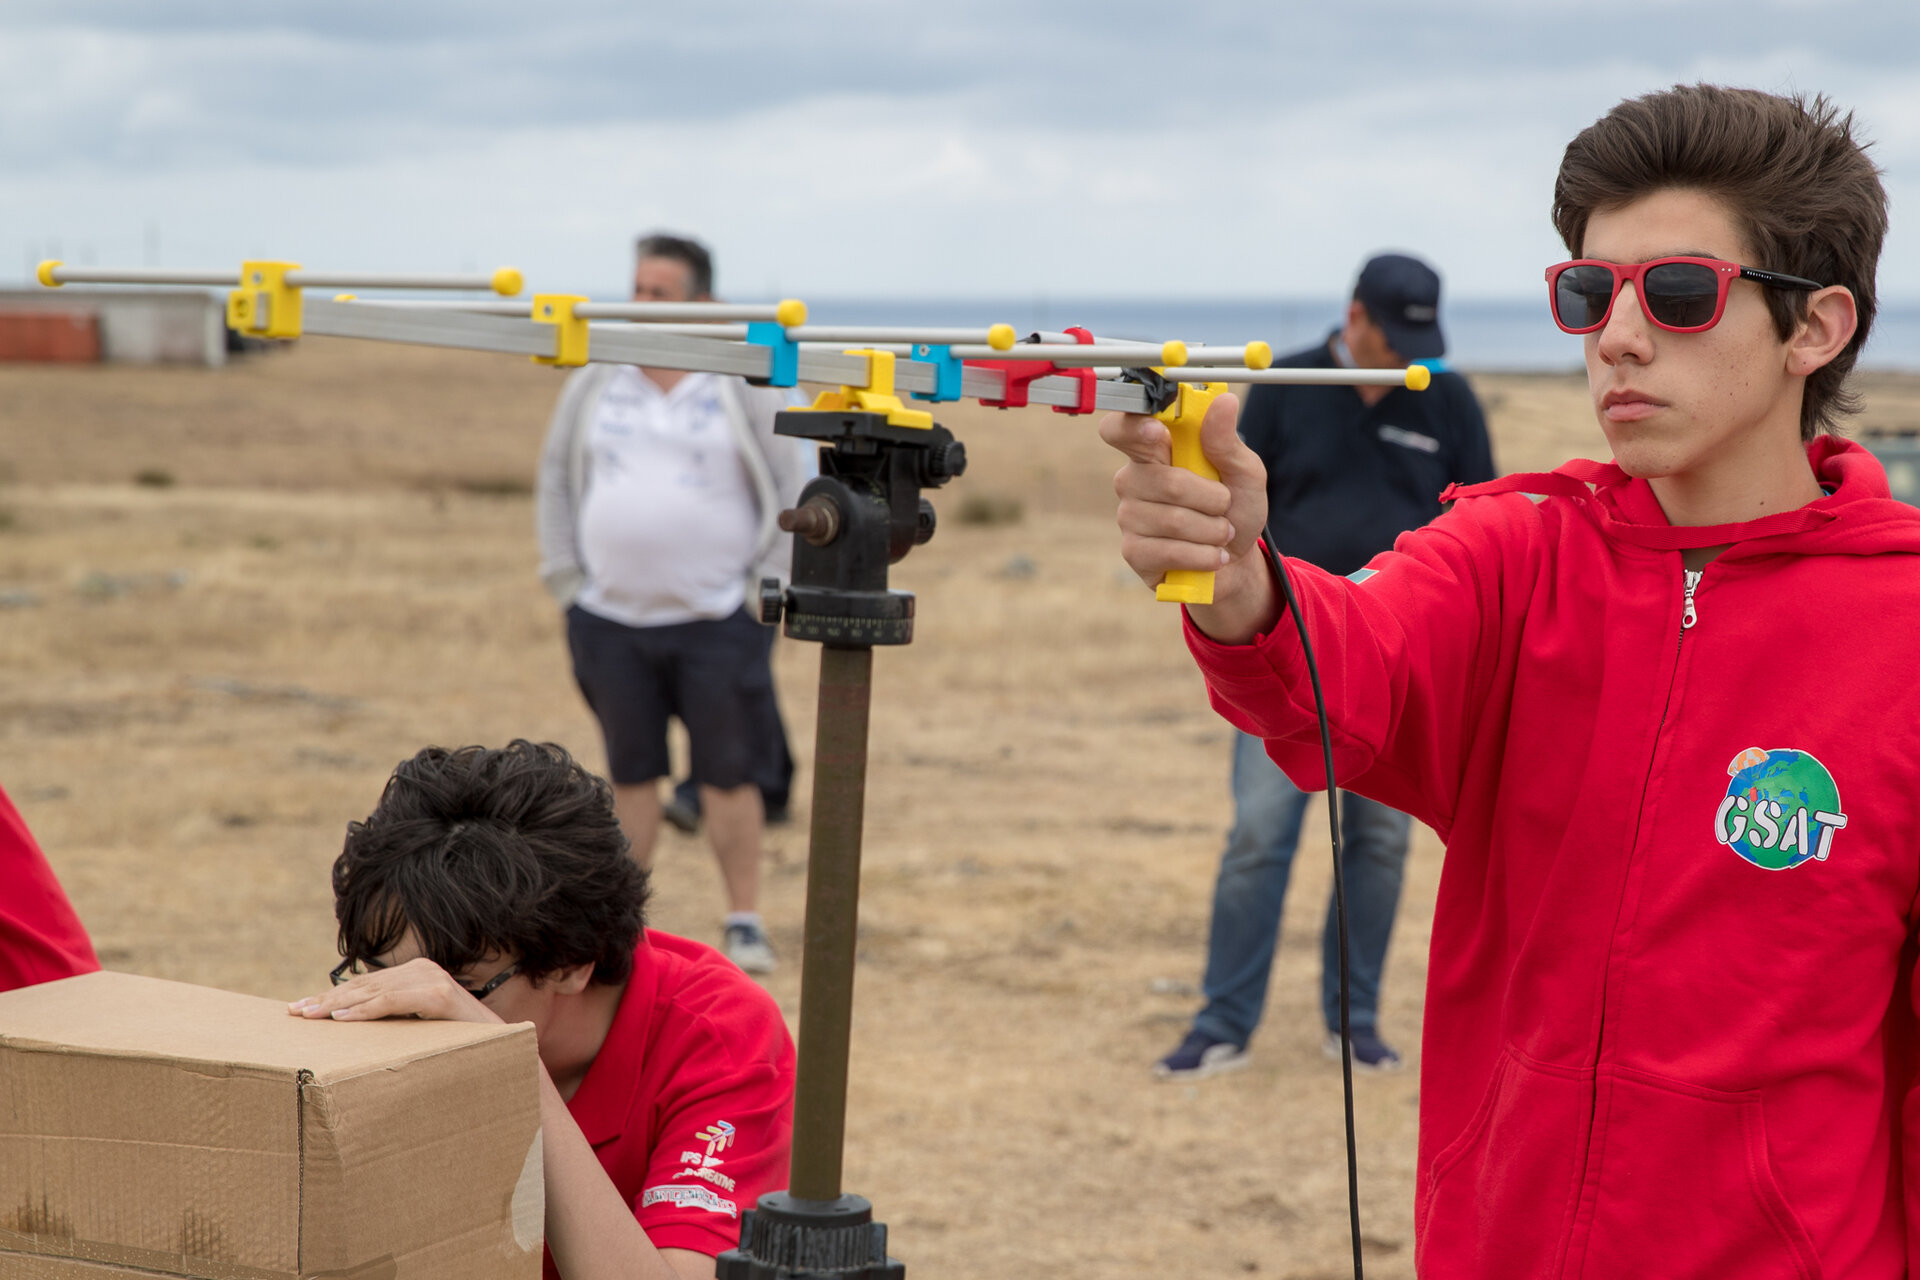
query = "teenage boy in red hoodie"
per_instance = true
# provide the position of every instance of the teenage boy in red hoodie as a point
(1663, 713)
(41, 938)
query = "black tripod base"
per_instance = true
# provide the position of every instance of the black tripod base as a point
(785, 1238)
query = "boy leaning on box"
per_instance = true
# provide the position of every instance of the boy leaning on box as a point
(495, 886)
(41, 938)
(1664, 713)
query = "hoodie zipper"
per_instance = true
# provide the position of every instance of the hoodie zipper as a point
(1689, 618)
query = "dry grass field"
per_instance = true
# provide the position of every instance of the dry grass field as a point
(231, 600)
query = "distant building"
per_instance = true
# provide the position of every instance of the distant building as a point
(138, 326)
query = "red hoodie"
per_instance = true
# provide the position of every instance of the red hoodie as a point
(1668, 1027)
(40, 936)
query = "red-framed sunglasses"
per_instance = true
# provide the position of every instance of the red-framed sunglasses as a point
(1680, 295)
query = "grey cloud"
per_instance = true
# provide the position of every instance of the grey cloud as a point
(132, 84)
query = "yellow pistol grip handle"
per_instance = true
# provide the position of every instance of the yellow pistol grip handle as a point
(1183, 418)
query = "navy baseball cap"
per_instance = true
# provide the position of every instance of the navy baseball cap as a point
(1402, 296)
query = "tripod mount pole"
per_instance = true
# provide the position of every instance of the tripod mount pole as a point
(862, 514)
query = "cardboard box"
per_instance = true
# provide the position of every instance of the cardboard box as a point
(38, 1266)
(196, 1132)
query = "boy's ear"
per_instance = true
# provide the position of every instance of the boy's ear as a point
(569, 982)
(1829, 325)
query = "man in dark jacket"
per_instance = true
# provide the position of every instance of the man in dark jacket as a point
(1348, 470)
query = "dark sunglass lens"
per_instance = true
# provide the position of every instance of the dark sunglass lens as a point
(1581, 295)
(1682, 294)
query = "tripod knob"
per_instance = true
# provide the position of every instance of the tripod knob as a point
(945, 461)
(923, 526)
(817, 520)
(773, 601)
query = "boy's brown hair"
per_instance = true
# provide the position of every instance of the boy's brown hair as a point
(486, 853)
(1797, 181)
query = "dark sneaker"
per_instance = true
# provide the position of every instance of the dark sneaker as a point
(747, 946)
(1370, 1052)
(682, 815)
(1200, 1056)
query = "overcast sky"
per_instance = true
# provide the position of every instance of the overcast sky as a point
(879, 147)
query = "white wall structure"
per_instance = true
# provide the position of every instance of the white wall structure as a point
(140, 326)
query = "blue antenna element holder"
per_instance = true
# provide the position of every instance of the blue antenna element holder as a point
(783, 369)
(948, 370)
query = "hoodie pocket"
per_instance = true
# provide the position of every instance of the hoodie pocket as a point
(1499, 1198)
(1685, 1186)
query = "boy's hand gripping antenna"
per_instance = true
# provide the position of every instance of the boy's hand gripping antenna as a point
(1183, 418)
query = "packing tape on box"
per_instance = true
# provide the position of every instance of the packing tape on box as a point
(527, 1209)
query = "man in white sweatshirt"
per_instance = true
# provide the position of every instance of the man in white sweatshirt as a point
(657, 505)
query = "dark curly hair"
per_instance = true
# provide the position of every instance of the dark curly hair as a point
(485, 852)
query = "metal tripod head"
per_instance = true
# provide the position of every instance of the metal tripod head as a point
(861, 515)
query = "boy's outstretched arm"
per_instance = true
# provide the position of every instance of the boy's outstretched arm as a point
(1403, 659)
(1171, 518)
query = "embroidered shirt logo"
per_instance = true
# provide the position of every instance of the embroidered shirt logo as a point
(714, 1176)
(1409, 439)
(718, 1136)
(689, 1198)
(1781, 809)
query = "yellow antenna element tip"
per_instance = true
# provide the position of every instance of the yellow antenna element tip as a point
(45, 273)
(345, 297)
(790, 312)
(1173, 354)
(1259, 355)
(1001, 337)
(1419, 377)
(508, 282)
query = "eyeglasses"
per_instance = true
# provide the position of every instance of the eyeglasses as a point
(354, 968)
(1680, 295)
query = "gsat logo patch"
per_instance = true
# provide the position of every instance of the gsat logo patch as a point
(1782, 809)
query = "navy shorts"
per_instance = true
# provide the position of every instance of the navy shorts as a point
(711, 673)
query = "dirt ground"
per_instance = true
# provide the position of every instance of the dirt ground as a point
(230, 601)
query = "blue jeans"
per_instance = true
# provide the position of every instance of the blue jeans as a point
(1252, 888)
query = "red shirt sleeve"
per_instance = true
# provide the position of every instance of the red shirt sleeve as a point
(41, 938)
(723, 1139)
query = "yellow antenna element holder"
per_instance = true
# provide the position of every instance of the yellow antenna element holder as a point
(1419, 377)
(790, 312)
(570, 337)
(1173, 354)
(265, 305)
(1259, 356)
(508, 282)
(876, 397)
(1183, 418)
(1001, 337)
(45, 273)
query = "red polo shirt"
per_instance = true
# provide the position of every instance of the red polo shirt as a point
(40, 936)
(689, 1103)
